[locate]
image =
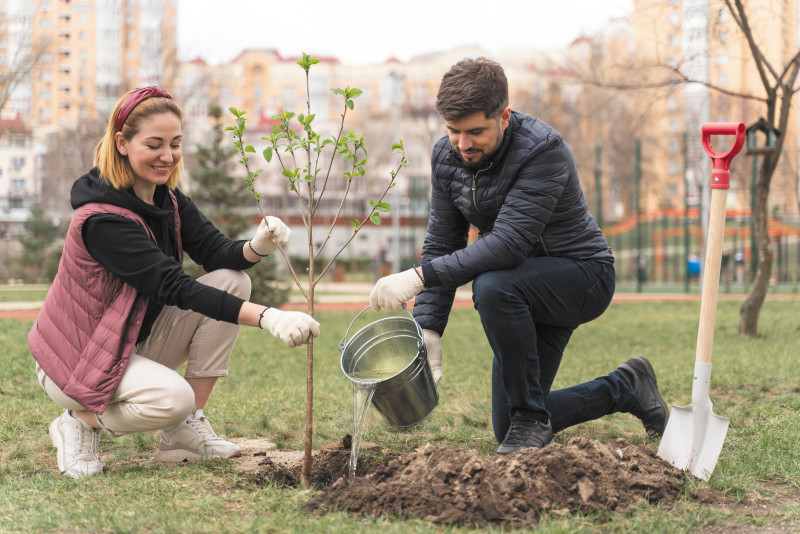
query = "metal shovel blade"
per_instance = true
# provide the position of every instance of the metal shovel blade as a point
(694, 436)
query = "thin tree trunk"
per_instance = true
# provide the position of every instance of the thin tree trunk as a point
(305, 473)
(751, 307)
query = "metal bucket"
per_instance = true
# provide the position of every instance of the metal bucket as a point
(391, 353)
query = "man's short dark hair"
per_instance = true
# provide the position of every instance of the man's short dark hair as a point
(470, 86)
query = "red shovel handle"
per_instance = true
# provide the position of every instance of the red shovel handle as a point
(721, 176)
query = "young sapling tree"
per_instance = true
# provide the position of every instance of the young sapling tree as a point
(306, 159)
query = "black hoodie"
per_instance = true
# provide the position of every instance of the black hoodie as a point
(120, 245)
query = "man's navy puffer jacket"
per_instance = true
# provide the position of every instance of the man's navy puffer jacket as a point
(527, 201)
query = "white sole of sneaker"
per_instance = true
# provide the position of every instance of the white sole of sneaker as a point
(58, 443)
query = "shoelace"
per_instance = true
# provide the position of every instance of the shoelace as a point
(87, 442)
(202, 427)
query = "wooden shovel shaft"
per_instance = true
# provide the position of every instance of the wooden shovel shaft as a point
(711, 271)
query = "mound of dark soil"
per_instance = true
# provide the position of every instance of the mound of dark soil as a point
(327, 466)
(461, 486)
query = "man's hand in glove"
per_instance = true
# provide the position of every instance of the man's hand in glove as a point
(292, 327)
(433, 345)
(271, 234)
(395, 290)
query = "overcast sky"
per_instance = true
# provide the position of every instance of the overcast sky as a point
(371, 31)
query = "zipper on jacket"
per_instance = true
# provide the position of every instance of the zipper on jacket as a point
(475, 184)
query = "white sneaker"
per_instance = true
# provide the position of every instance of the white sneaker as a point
(193, 439)
(78, 446)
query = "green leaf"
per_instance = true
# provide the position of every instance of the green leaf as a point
(337, 91)
(355, 92)
(288, 174)
(396, 146)
(375, 218)
(349, 104)
(249, 148)
(380, 206)
(268, 154)
(356, 223)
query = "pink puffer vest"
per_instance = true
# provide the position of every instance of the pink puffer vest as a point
(88, 325)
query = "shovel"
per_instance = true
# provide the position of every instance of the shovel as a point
(694, 436)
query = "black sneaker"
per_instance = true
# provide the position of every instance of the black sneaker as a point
(650, 406)
(526, 432)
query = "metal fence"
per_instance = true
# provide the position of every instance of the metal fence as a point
(667, 247)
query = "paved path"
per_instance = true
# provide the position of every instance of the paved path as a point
(355, 297)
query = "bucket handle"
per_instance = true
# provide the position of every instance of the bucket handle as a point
(343, 342)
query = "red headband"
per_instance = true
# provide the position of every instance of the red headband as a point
(134, 99)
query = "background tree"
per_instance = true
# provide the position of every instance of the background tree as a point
(21, 59)
(68, 155)
(219, 195)
(779, 82)
(38, 261)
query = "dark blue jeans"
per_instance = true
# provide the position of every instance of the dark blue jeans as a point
(528, 314)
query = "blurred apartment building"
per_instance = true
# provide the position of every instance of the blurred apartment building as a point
(702, 40)
(63, 62)
(88, 52)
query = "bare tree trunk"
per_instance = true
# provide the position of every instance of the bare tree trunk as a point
(751, 307)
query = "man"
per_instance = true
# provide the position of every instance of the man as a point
(540, 267)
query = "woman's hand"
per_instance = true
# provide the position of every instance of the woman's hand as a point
(292, 327)
(271, 234)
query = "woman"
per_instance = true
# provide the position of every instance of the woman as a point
(122, 314)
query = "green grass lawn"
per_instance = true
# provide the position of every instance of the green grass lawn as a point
(755, 382)
(24, 293)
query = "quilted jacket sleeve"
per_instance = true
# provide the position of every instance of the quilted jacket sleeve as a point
(447, 232)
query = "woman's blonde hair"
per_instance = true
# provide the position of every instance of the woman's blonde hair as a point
(115, 169)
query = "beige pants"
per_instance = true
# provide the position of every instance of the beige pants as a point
(151, 395)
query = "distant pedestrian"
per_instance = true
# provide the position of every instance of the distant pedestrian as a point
(738, 262)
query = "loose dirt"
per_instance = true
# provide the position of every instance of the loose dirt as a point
(462, 486)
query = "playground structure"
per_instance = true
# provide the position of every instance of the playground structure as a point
(667, 244)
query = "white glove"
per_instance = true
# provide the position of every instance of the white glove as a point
(433, 346)
(291, 327)
(271, 234)
(395, 290)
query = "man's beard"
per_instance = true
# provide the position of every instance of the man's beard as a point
(481, 162)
